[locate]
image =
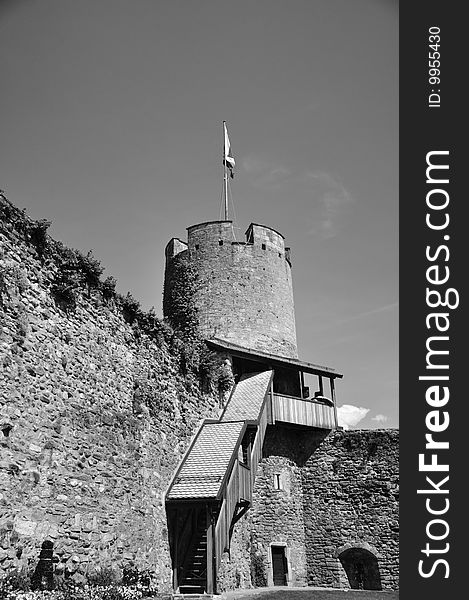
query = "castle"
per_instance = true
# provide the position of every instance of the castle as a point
(114, 452)
(270, 426)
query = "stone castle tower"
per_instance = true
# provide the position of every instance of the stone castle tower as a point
(244, 289)
(249, 479)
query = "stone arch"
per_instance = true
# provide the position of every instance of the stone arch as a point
(360, 562)
(364, 545)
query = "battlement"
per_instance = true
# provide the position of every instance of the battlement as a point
(174, 247)
(220, 234)
(244, 291)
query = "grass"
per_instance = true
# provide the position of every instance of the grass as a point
(313, 594)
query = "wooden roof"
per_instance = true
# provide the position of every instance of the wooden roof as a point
(214, 447)
(273, 360)
(206, 461)
(248, 397)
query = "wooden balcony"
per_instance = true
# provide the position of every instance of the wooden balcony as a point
(305, 412)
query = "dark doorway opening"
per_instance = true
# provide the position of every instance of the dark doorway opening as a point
(279, 565)
(362, 569)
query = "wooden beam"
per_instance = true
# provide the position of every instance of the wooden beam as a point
(302, 383)
(273, 360)
(271, 413)
(211, 576)
(176, 549)
(331, 381)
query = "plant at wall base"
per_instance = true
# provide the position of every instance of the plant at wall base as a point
(258, 570)
(16, 586)
(132, 576)
(15, 580)
(104, 576)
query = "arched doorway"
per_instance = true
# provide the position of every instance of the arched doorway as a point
(362, 569)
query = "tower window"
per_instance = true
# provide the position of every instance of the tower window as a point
(220, 242)
(277, 482)
(197, 246)
(263, 246)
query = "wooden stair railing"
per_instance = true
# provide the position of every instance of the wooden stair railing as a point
(234, 500)
(237, 492)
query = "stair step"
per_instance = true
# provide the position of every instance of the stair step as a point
(194, 593)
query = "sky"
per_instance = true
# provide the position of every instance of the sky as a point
(111, 128)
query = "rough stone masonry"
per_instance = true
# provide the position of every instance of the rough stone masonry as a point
(95, 415)
(84, 458)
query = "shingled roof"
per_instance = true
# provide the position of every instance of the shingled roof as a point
(272, 360)
(248, 396)
(206, 461)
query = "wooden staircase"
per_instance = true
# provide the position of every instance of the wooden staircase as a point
(194, 574)
(200, 523)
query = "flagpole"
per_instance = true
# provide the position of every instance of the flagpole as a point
(225, 175)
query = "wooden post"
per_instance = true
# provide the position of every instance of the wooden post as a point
(210, 570)
(334, 401)
(175, 530)
(270, 400)
(302, 383)
(321, 386)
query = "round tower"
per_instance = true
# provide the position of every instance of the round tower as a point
(243, 291)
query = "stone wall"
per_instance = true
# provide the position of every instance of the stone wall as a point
(277, 516)
(96, 411)
(351, 500)
(337, 494)
(244, 292)
(94, 417)
(235, 569)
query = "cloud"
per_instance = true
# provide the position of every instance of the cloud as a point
(333, 200)
(367, 313)
(265, 174)
(380, 418)
(349, 416)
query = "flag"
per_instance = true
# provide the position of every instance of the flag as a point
(228, 159)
